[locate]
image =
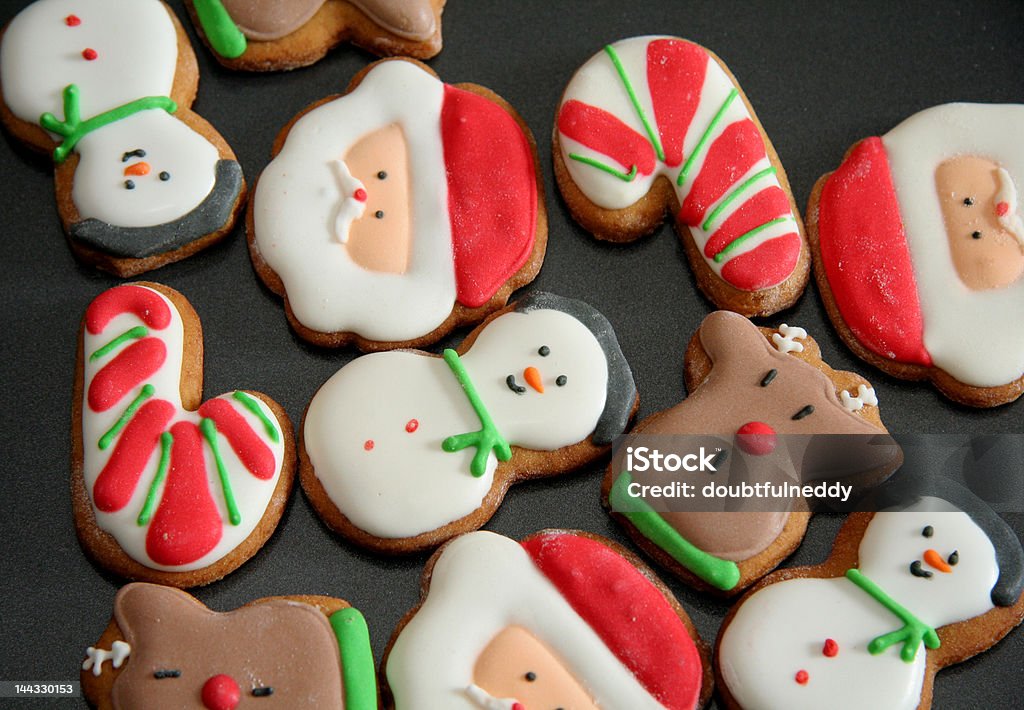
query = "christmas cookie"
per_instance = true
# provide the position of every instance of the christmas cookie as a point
(562, 619)
(906, 592)
(105, 88)
(658, 124)
(166, 488)
(164, 649)
(398, 211)
(918, 243)
(762, 399)
(404, 450)
(267, 35)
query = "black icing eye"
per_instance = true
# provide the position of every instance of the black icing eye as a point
(382, 175)
(165, 176)
(262, 691)
(561, 380)
(164, 673)
(530, 676)
(544, 351)
(804, 412)
(975, 235)
(918, 571)
(769, 377)
(968, 201)
(379, 214)
(954, 557)
(129, 184)
(928, 531)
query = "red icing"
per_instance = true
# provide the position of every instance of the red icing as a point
(830, 649)
(147, 305)
(132, 366)
(412, 425)
(221, 692)
(368, 445)
(251, 450)
(766, 265)
(626, 611)
(72, 20)
(729, 158)
(866, 258)
(675, 76)
(756, 438)
(603, 132)
(802, 677)
(492, 193)
(89, 54)
(187, 524)
(764, 206)
(360, 194)
(116, 482)
(1002, 208)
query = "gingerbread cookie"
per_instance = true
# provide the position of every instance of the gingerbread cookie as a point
(658, 124)
(164, 649)
(399, 211)
(563, 619)
(762, 399)
(918, 244)
(403, 450)
(105, 88)
(164, 488)
(906, 592)
(269, 35)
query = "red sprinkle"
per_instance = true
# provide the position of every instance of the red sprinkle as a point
(89, 54)
(360, 195)
(412, 425)
(802, 677)
(831, 648)
(72, 20)
(368, 445)
(1002, 208)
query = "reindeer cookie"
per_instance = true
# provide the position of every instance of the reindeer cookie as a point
(658, 124)
(919, 250)
(105, 88)
(164, 488)
(562, 619)
(403, 450)
(401, 210)
(164, 649)
(770, 393)
(906, 592)
(267, 35)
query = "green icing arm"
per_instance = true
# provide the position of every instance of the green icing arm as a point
(222, 32)
(719, 573)
(357, 668)
(487, 438)
(913, 632)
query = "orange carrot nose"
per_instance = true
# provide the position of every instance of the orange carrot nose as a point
(532, 377)
(934, 559)
(140, 168)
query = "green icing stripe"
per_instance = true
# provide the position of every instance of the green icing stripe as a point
(357, 668)
(487, 438)
(702, 143)
(139, 331)
(625, 177)
(221, 31)
(146, 514)
(253, 406)
(735, 243)
(913, 632)
(209, 429)
(107, 439)
(734, 194)
(719, 573)
(652, 136)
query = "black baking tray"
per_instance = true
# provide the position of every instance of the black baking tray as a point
(821, 75)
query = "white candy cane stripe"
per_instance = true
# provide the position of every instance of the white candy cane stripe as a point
(865, 396)
(786, 339)
(119, 651)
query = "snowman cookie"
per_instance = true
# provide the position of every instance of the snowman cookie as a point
(268, 35)
(164, 649)
(165, 487)
(563, 619)
(773, 410)
(403, 450)
(398, 211)
(105, 88)
(919, 250)
(907, 591)
(656, 125)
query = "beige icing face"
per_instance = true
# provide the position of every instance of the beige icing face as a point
(985, 254)
(381, 239)
(516, 665)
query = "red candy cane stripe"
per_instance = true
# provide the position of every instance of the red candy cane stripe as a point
(764, 266)
(254, 454)
(730, 157)
(148, 305)
(762, 207)
(675, 75)
(601, 131)
(132, 367)
(117, 481)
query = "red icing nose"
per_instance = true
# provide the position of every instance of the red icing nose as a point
(359, 195)
(756, 438)
(221, 692)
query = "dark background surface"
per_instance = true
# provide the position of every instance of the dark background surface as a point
(819, 76)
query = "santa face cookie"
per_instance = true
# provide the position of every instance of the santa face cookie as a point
(763, 398)
(165, 649)
(906, 593)
(164, 488)
(268, 35)
(919, 246)
(403, 450)
(398, 211)
(106, 87)
(561, 620)
(658, 124)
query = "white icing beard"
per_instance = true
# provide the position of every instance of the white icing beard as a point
(350, 209)
(958, 323)
(296, 211)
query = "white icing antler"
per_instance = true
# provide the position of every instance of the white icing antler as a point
(1006, 206)
(119, 651)
(786, 339)
(865, 395)
(486, 701)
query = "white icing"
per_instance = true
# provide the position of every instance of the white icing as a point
(481, 584)
(296, 205)
(786, 339)
(350, 208)
(865, 396)
(949, 309)
(406, 484)
(1008, 194)
(94, 657)
(486, 701)
(782, 628)
(252, 495)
